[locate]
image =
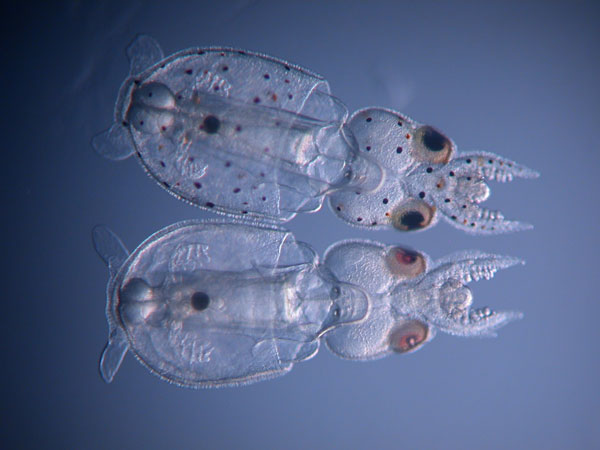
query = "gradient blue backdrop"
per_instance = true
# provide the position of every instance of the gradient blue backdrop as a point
(516, 78)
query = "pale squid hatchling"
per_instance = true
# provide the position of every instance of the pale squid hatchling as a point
(246, 134)
(198, 317)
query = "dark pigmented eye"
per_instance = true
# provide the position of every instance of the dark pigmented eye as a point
(412, 215)
(405, 263)
(432, 146)
(408, 336)
(434, 140)
(200, 301)
(412, 219)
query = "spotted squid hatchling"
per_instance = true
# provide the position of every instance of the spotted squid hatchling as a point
(246, 134)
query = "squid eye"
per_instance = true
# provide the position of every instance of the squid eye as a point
(408, 336)
(432, 146)
(412, 215)
(405, 263)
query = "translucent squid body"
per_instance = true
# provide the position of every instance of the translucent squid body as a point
(246, 134)
(205, 304)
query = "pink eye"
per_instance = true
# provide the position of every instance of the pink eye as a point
(408, 336)
(405, 263)
(404, 256)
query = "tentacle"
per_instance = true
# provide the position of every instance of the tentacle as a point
(472, 265)
(490, 167)
(472, 218)
(457, 189)
(442, 299)
(484, 322)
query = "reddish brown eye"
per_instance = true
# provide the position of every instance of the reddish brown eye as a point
(432, 146)
(405, 263)
(412, 215)
(408, 336)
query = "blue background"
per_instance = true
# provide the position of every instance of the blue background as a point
(516, 78)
